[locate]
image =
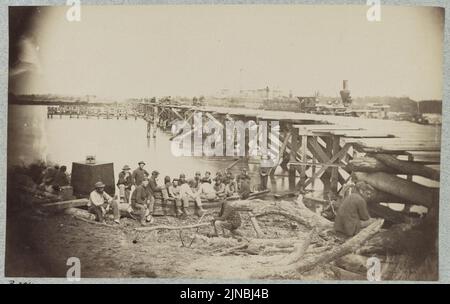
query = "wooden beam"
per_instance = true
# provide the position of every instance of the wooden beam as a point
(331, 161)
(334, 171)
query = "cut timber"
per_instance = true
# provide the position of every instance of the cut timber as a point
(368, 164)
(66, 204)
(171, 227)
(407, 167)
(390, 164)
(402, 188)
(348, 247)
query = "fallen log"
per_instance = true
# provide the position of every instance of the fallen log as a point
(255, 224)
(344, 274)
(396, 217)
(407, 190)
(407, 167)
(309, 263)
(79, 213)
(66, 204)
(233, 249)
(349, 246)
(171, 227)
(296, 212)
(299, 250)
(367, 164)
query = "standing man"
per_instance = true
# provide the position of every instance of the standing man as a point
(139, 174)
(140, 202)
(124, 183)
(264, 176)
(100, 203)
(353, 210)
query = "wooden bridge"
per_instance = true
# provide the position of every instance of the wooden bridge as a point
(310, 146)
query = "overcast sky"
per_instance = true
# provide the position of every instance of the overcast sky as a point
(129, 51)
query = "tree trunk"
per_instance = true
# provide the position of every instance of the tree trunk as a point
(407, 167)
(400, 187)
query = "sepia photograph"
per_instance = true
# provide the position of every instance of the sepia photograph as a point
(224, 142)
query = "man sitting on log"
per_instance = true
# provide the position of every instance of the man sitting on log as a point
(228, 219)
(187, 194)
(353, 210)
(141, 202)
(100, 203)
(244, 189)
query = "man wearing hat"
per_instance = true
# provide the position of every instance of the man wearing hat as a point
(100, 203)
(124, 183)
(139, 174)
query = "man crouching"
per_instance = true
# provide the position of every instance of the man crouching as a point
(228, 219)
(100, 203)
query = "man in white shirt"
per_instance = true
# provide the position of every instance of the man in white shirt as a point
(101, 202)
(207, 191)
(186, 194)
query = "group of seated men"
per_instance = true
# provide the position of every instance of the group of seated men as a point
(138, 191)
(53, 178)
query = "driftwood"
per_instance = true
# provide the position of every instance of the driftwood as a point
(407, 190)
(171, 227)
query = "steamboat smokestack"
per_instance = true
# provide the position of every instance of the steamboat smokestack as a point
(345, 94)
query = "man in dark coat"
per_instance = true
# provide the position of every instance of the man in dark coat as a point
(353, 210)
(228, 219)
(139, 174)
(244, 189)
(124, 183)
(140, 201)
